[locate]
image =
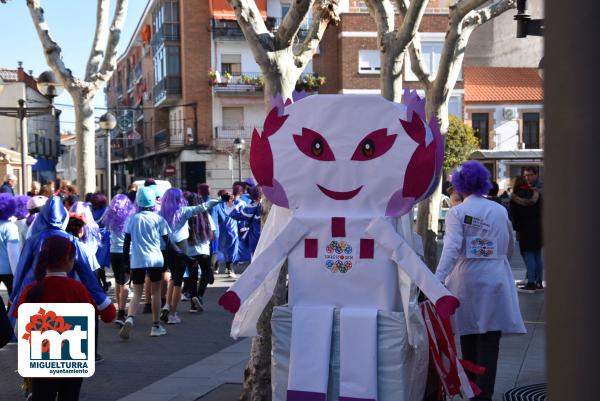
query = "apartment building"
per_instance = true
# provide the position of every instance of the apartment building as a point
(43, 132)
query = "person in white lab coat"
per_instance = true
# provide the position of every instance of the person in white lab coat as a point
(475, 267)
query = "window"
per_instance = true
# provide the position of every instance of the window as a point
(285, 7)
(531, 130)
(369, 62)
(233, 117)
(454, 106)
(431, 57)
(232, 64)
(173, 65)
(480, 125)
(166, 20)
(166, 63)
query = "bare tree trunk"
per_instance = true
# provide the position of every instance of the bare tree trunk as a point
(85, 129)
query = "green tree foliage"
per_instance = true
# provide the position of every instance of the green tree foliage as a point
(460, 143)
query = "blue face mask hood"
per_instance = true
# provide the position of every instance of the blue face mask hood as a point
(53, 216)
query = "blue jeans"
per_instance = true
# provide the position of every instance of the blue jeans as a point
(535, 267)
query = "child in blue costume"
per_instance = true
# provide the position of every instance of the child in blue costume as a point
(52, 220)
(99, 204)
(250, 214)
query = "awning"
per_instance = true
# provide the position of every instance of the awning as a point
(525, 154)
(44, 165)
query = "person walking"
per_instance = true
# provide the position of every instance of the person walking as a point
(251, 215)
(475, 267)
(21, 217)
(35, 189)
(204, 192)
(202, 230)
(176, 213)
(99, 204)
(9, 241)
(114, 221)
(228, 231)
(8, 186)
(142, 253)
(526, 214)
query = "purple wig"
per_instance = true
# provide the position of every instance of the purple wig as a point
(471, 178)
(8, 206)
(91, 230)
(171, 204)
(22, 210)
(98, 201)
(118, 212)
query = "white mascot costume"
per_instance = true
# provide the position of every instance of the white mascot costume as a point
(342, 169)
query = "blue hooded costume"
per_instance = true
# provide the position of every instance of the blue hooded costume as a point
(51, 221)
(249, 214)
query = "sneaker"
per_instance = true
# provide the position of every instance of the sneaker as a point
(198, 304)
(126, 329)
(529, 288)
(119, 322)
(164, 314)
(157, 331)
(185, 297)
(99, 358)
(539, 286)
(193, 309)
(174, 319)
(147, 308)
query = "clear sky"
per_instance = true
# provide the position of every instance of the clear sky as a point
(72, 24)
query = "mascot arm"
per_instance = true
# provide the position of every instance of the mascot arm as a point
(384, 233)
(264, 263)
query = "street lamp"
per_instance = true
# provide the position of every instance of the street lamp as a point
(49, 87)
(239, 145)
(108, 122)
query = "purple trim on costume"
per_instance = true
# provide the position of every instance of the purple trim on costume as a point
(398, 205)
(295, 395)
(355, 399)
(276, 194)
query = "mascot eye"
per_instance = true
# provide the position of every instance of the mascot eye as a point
(368, 148)
(313, 145)
(376, 144)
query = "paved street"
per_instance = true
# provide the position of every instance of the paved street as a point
(198, 360)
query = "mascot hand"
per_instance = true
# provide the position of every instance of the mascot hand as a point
(108, 314)
(230, 301)
(446, 306)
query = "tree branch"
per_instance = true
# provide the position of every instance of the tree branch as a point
(324, 12)
(382, 12)
(416, 61)
(463, 7)
(110, 55)
(411, 21)
(100, 39)
(52, 50)
(483, 15)
(290, 25)
(252, 25)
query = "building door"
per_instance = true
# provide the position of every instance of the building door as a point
(194, 173)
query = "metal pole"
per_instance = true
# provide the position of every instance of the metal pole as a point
(23, 133)
(240, 164)
(570, 217)
(108, 169)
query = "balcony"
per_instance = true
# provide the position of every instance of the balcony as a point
(253, 83)
(166, 139)
(227, 29)
(245, 83)
(168, 32)
(167, 91)
(137, 72)
(224, 136)
(273, 25)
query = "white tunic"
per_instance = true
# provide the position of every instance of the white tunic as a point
(474, 264)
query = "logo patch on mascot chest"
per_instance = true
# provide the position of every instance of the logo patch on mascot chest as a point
(339, 256)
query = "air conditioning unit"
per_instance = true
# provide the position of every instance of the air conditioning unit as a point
(509, 113)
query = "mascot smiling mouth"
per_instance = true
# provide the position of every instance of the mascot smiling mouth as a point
(340, 195)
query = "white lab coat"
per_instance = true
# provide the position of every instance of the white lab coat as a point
(485, 285)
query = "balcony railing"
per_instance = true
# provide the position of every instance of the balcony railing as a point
(165, 140)
(273, 25)
(166, 88)
(224, 136)
(245, 82)
(226, 29)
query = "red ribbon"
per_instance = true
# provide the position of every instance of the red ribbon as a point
(44, 321)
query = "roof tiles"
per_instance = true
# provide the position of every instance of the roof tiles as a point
(502, 85)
